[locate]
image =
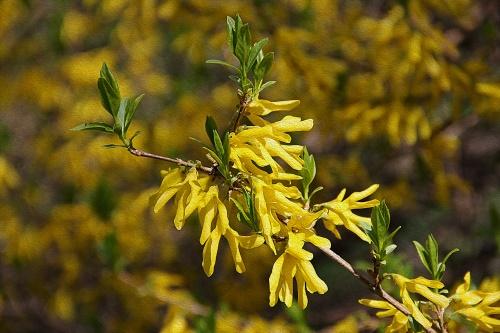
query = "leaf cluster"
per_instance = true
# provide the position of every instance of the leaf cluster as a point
(122, 109)
(254, 64)
(381, 239)
(429, 256)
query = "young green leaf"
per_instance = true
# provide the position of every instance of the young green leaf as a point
(210, 127)
(308, 172)
(110, 99)
(109, 77)
(267, 84)
(422, 254)
(97, 126)
(242, 40)
(120, 116)
(230, 26)
(433, 253)
(429, 256)
(254, 52)
(109, 90)
(264, 66)
(130, 110)
(220, 62)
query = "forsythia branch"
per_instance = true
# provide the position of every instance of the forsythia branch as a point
(379, 291)
(376, 290)
(178, 161)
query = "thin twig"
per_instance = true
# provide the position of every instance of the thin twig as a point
(178, 161)
(379, 291)
(373, 288)
(442, 323)
(241, 111)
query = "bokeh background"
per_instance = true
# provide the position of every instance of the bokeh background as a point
(403, 93)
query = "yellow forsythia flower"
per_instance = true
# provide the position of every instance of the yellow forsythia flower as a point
(259, 145)
(188, 193)
(295, 263)
(272, 200)
(213, 209)
(421, 286)
(477, 306)
(262, 107)
(399, 322)
(191, 194)
(339, 212)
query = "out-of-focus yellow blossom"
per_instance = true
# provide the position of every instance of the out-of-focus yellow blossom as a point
(488, 89)
(295, 262)
(399, 322)
(477, 306)
(229, 322)
(8, 176)
(420, 285)
(175, 321)
(491, 283)
(339, 212)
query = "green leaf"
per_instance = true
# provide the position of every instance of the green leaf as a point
(380, 223)
(109, 90)
(423, 254)
(308, 172)
(446, 257)
(210, 127)
(392, 234)
(97, 126)
(390, 248)
(214, 155)
(219, 147)
(240, 209)
(230, 26)
(254, 52)
(267, 84)
(110, 99)
(120, 116)
(130, 110)
(242, 44)
(433, 253)
(108, 76)
(316, 190)
(264, 66)
(220, 62)
(112, 145)
(226, 148)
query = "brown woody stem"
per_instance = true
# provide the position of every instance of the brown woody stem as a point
(377, 290)
(178, 161)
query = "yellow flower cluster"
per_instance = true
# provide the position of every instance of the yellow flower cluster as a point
(283, 217)
(477, 306)
(193, 193)
(419, 285)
